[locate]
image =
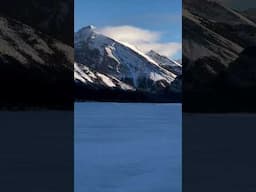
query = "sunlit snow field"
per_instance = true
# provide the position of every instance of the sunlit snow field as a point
(127, 147)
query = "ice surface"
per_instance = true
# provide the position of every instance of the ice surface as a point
(127, 147)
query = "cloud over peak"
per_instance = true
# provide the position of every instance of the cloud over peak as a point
(143, 39)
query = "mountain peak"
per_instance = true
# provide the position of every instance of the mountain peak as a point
(85, 32)
(92, 27)
(152, 52)
(88, 28)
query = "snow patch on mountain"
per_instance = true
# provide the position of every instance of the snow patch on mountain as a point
(106, 80)
(86, 75)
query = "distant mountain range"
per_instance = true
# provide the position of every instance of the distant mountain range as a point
(218, 57)
(110, 70)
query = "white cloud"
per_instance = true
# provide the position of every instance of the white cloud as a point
(130, 34)
(145, 40)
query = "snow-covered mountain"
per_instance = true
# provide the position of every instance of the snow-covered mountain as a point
(54, 18)
(119, 65)
(211, 30)
(28, 46)
(166, 63)
(35, 69)
(217, 60)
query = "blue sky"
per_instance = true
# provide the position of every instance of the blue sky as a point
(161, 16)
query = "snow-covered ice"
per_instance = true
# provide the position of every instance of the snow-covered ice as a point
(127, 147)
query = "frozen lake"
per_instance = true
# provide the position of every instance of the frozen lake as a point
(127, 147)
